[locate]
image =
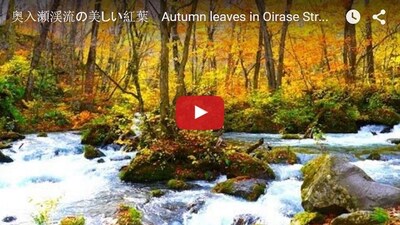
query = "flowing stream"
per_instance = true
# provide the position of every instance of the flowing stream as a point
(53, 167)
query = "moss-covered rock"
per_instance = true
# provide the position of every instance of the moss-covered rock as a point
(10, 136)
(4, 145)
(386, 150)
(157, 193)
(42, 134)
(333, 185)
(291, 136)
(241, 164)
(73, 220)
(127, 215)
(176, 184)
(248, 188)
(278, 155)
(355, 218)
(90, 152)
(5, 159)
(98, 134)
(307, 218)
(340, 119)
(191, 160)
(144, 168)
(129, 140)
(383, 115)
(374, 156)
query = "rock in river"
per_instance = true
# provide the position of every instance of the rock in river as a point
(355, 218)
(5, 145)
(278, 155)
(176, 184)
(5, 159)
(307, 218)
(246, 219)
(333, 185)
(10, 136)
(9, 219)
(248, 188)
(167, 160)
(91, 152)
(395, 141)
(120, 158)
(374, 156)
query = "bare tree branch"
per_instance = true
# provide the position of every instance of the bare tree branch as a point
(115, 82)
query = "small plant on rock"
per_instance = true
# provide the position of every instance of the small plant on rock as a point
(380, 215)
(129, 216)
(45, 209)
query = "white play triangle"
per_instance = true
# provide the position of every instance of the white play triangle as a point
(199, 112)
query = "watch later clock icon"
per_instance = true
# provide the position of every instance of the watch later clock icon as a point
(353, 16)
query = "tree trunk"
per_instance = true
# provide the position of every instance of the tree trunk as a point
(230, 66)
(350, 47)
(210, 37)
(91, 59)
(164, 69)
(325, 49)
(285, 26)
(181, 88)
(136, 40)
(258, 60)
(369, 48)
(71, 44)
(175, 40)
(269, 58)
(37, 52)
(7, 33)
(195, 79)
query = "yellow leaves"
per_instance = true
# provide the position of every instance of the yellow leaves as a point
(18, 65)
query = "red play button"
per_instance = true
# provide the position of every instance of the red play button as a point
(200, 112)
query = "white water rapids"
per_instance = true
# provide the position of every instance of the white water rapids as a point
(53, 167)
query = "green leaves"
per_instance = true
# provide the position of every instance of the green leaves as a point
(380, 215)
(11, 91)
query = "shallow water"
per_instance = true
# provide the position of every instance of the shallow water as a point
(54, 168)
(364, 138)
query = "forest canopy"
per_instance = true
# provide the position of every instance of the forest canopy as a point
(58, 72)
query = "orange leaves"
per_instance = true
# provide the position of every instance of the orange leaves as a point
(82, 118)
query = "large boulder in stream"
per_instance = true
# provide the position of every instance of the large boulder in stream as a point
(248, 188)
(5, 159)
(191, 160)
(333, 185)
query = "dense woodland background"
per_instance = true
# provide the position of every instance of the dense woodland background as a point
(274, 76)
